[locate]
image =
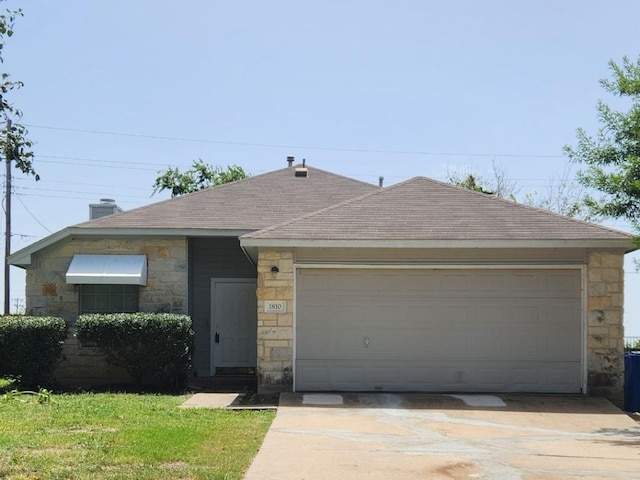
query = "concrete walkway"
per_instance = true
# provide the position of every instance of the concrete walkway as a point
(211, 400)
(230, 401)
(388, 436)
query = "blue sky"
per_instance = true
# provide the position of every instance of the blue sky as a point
(117, 90)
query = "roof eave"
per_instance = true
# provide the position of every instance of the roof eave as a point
(625, 244)
(22, 258)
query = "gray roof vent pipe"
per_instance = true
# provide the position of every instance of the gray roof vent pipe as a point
(290, 161)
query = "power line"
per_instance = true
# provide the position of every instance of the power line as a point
(23, 235)
(101, 185)
(32, 215)
(306, 147)
(66, 197)
(109, 164)
(38, 189)
(127, 166)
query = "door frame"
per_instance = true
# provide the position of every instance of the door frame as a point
(212, 320)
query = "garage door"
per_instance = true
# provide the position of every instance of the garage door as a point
(438, 330)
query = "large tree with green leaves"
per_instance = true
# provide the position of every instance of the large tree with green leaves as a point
(15, 145)
(200, 176)
(612, 155)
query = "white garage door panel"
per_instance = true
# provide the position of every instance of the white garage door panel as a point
(439, 330)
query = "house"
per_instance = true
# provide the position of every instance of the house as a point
(322, 283)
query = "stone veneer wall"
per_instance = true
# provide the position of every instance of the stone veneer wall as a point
(275, 330)
(605, 332)
(47, 293)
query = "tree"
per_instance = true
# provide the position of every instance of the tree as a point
(499, 185)
(13, 136)
(560, 196)
(470, 183)
(200, 176)
(612, 156)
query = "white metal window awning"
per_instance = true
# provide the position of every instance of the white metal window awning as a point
(108, 269)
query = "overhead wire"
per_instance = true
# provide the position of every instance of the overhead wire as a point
(93, 193)
(31, 213)
(306, 147)
(109, 164)
(128, 166)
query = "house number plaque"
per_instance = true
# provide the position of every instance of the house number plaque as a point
(273, 306)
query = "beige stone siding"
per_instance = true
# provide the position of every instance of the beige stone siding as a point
(605, 333)
(275, 330)
(47, 293)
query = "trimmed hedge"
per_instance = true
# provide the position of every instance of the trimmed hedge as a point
(155, 348)
(30, 348)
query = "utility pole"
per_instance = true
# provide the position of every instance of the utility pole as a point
(17, 305)
(7, 223)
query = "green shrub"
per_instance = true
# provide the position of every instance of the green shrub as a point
(155, 348)
(632, 345)
(30, 348)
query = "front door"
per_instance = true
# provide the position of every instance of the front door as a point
(233, 323)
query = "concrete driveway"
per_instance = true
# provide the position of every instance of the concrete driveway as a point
(387, 436)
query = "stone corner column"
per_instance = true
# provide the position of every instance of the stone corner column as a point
(275, 321)
(605, 331)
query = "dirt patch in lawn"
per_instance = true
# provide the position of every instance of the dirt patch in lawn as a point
(255, 399)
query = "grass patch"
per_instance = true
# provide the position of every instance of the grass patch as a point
(125, 436)
(5, 384)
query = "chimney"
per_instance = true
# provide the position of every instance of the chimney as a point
(290, 161)
(106, 207)
(380, 181)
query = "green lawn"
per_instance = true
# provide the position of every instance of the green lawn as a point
(124, 436)
(4, 384)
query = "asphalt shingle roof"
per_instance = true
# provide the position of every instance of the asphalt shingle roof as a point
(425, 209)
(249, 204)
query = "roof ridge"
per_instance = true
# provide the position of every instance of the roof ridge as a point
(334, 174)
(327, 209)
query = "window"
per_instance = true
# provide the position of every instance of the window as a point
(109, 298)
